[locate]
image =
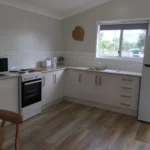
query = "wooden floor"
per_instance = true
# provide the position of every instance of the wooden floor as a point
(70, 126)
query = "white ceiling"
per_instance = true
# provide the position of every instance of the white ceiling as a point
(59, 9)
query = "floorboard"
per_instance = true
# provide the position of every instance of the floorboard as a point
(70, 126)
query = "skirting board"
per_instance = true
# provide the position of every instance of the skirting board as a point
(103, 106)
(52, 103)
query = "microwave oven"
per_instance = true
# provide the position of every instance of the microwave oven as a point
(3, 65)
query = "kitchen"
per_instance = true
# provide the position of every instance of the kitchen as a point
(61, 67)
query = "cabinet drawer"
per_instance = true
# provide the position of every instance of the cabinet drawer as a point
(130, 80)
(128, 96)
(129, 88)
(128, 100)
(128, 106)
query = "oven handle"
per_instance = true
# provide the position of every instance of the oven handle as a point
(30, 96)
(33, 82)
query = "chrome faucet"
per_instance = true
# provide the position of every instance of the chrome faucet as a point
(102, 66)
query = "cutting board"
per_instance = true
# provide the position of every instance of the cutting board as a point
(39, 69)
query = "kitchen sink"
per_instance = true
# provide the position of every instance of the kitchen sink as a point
(102, 70)
(95, 69)
(110, 70)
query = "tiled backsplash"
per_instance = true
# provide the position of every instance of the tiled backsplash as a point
(87, 59)
(27, 59)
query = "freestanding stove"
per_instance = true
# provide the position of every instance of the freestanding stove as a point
(30, 93)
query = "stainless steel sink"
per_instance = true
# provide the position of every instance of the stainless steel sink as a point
(102, 69)
(110, 70)
(96, 69)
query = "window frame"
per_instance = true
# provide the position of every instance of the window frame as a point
(119, 57)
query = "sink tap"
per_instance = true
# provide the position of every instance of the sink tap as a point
(102, 66)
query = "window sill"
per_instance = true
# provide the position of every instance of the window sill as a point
(121, 58)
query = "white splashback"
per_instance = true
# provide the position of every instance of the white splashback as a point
(28, 59)
(87, 59)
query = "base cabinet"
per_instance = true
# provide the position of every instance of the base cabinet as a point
(53, 83)
(73, 84)
(110, 89)
(9, 94)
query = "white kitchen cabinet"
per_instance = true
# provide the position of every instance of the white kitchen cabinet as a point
(98, 85)
(111, 89)
(9, 94)
(128, 94)
(47, 87)
(91, 86)
(74, 84)
(108, 87)
(58, 84)
(53, 86)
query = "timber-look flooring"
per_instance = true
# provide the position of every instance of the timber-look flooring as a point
(70, 126)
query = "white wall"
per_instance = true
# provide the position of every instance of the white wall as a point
(26, 38)
(114, 10)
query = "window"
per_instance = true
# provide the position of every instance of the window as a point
(126, 40)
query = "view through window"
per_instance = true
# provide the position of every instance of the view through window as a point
(122, 41)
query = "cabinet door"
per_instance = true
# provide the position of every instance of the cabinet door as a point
(109, 87)
(47, 87)
(91, 88)
(58, 84)
(53, 86)
(9, 94)
(98, 85)
(74, 84)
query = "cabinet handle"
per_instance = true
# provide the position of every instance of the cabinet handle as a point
(100, 80)
(54, 78)
(95, 80)
(126, 88)
(128, 105)
(43, 81)
(124, 96)
(80, 78)
(129, 80)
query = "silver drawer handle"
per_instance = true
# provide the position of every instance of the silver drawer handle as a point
(129, 80)
(43, 81)
(128, 105)
(100, 80)
(54, 78)
(80, 78)
(95, 80)
(124, 96)
(126, 88)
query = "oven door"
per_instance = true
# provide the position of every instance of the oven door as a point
(31, 92)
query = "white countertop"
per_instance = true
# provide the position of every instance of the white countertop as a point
(86, 69)
(8, 76)
(14, 75)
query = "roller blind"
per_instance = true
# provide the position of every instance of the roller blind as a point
(124, 26)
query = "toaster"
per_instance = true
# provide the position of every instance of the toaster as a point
(46, 63)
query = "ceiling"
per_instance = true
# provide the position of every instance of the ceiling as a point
(59, 9)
